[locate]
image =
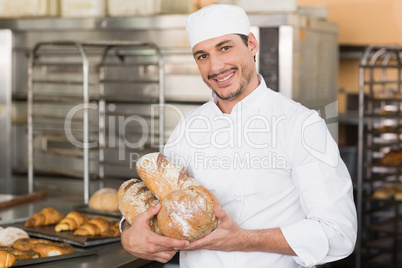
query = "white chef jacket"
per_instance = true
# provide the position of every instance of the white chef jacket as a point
(270, 163)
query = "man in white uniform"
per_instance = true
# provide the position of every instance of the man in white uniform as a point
(285, 195)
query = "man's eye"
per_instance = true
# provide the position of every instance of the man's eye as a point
(225, 48)
(203, 56)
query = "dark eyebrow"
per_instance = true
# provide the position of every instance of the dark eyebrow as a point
(217, 45)
(198, 52)
(222, 43)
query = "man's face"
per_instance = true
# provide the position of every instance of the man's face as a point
(227, 65)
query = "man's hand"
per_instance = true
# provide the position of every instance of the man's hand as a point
(227, 237)
(140, 241)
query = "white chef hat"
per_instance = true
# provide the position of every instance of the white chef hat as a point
(216, 20)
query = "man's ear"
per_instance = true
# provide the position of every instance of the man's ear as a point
(253, 44)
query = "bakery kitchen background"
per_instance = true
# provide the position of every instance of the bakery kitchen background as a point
(113, 75)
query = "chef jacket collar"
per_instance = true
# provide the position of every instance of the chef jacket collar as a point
(245, 103)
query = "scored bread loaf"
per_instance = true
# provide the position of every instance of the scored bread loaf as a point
(188, 214)
(135, 198)
(104, 199)
(187, 210)
(161, 176)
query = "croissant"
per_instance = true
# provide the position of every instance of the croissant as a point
(47, 216)
(6, 259)
(113, 231)
(72, 221)
(93, 227)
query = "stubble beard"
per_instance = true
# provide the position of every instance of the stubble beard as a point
(235, 93)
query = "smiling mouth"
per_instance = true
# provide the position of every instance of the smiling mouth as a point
(232, 71)
(225, 78)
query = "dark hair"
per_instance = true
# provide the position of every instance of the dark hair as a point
(245, 40)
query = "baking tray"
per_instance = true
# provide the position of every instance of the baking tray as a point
(77, 254)
(85, 209)
(48, 232)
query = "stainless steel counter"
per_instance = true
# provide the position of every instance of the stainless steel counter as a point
(108, 256)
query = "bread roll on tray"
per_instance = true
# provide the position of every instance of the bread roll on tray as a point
(10, 234)
(45, 248)
(104, 199)
(20, 254)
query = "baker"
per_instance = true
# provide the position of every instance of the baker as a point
(297, 213)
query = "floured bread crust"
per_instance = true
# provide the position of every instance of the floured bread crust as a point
(188, 214)
(161, 176)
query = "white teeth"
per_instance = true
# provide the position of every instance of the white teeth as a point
(225, 78)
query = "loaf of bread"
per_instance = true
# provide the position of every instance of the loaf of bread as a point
(72, 221)
(93, 227)
(398, 195)
(10, 234)
(45, 248)
(392, 158)
(161, 176)
(135, 198)
(187, 208)
(384, 193)
(6, 259)
(47, 216)
(188, 214)
(104, 199)
(20, 254)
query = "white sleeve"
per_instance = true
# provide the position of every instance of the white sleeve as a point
(326, 194)
(121, 223)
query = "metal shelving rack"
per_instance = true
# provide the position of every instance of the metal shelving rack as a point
(73, 89)
(380, 131)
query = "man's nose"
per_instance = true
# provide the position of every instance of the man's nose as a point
(216, 65)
